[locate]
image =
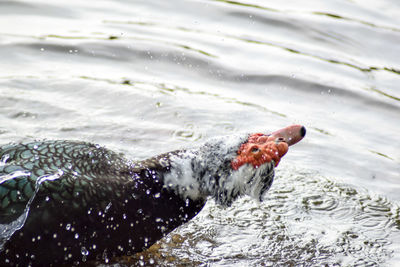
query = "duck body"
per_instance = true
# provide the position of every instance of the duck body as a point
(67, 202)
(83, 199)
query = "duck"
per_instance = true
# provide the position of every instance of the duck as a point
(68, 202)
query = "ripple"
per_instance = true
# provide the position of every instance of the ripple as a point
(304, 220)
(23, 114)
(188, 133)
(320, 203)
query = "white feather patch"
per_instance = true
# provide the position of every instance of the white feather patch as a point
(206, 171)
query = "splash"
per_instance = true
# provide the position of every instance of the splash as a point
(7, 230)
(305, 219)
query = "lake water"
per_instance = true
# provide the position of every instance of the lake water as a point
(145, 77)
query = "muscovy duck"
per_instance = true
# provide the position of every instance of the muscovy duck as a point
(66, 202)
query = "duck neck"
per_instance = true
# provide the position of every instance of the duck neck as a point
(205, 171)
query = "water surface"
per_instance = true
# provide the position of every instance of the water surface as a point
(145, 77)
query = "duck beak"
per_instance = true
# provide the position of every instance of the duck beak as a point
(291, 134)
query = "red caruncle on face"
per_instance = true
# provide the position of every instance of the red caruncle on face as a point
(260, 149)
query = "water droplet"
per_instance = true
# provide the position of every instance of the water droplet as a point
(108, 207)
(84, 251)
(76, 236)
(68, 227)
(148, 191)
(157, 195)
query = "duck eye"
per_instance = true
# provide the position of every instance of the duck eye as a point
(255, 150)
(281, 139)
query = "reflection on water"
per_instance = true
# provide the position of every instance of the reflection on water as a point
(146, 77)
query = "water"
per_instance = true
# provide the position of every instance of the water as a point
(145, 77)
